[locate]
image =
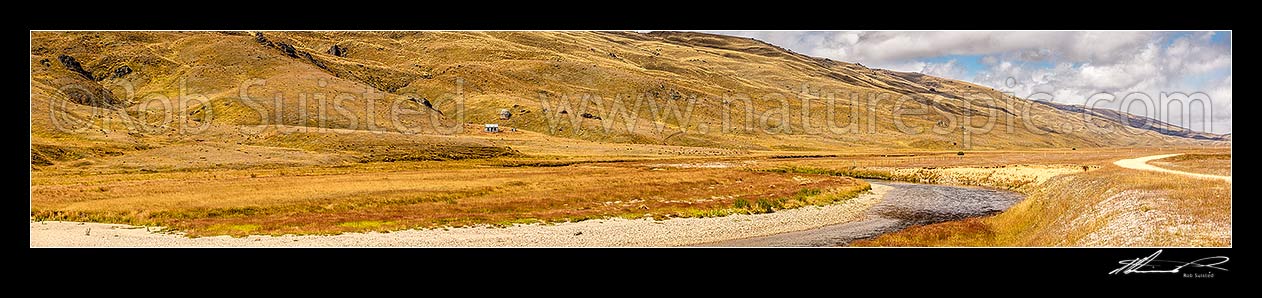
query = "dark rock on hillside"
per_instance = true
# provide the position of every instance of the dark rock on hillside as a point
(258, 36)
(425, 102)
(122, 71)
(337, 50)
(313, 60)
(287, 49)
(382, 78)
(74, 66)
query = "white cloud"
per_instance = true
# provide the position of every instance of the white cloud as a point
(875, 47)
(990, 60)
(1069, 65)
(904, 66)
(1185, 66)
(1220, 97)
(950, 69)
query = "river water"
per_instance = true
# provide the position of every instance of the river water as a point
(905, 205)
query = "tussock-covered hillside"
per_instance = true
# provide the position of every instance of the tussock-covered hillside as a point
(260, 91)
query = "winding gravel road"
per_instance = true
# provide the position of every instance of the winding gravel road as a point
(1141, 163)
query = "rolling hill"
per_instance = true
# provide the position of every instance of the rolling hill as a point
(244, 99)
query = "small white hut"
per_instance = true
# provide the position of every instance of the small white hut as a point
(490, 127)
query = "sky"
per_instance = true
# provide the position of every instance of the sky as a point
(1070, 66)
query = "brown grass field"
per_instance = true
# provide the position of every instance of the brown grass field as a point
(428, 195)
(1076, 198)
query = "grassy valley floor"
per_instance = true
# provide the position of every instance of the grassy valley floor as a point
(1076, 197)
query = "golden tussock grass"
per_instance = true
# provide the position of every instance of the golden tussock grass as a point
(1111, 206)
(1213, 164)
(315, 203)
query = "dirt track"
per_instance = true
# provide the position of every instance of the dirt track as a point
(1141, 163)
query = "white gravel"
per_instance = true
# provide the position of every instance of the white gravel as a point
(590, 233)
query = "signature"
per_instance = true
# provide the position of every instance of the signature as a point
(1151, 264)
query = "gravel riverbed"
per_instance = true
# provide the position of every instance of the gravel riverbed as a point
(904, 205)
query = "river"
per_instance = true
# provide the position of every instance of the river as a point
(905, 205)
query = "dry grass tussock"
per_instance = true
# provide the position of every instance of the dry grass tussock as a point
(1213, 164)
(313, 203)
(1107, 207)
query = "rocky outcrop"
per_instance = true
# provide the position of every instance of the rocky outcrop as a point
(122, 71)
(74, 66)
(287, 49)
(258, 37)
(382, 78)
(84, 89)
(425, 102)
(337, 50)
(283, 47)
(313, 60)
